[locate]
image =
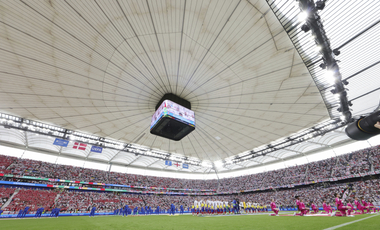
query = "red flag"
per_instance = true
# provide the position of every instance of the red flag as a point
(79, 146)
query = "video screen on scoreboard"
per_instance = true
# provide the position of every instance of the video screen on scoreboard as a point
(174, 111)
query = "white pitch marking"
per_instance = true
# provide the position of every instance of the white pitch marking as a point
(348, 223)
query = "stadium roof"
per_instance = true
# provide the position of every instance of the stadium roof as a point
(100, 67)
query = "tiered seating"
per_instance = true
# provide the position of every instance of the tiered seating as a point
(358, 162)
(375, 157)
(71, 201)
(320, 170)
(352, 163)
(83, 201)
(5, 194)
(5, 162)
(32, 198)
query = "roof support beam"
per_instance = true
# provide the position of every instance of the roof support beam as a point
(153, 162)
(314, 23)
(134, 160)
(295, 151)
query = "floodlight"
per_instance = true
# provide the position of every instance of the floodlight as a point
(302, 17)
(305, 28)
(320, 5)
(218, 164)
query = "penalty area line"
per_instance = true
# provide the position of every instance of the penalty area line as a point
(348, 223)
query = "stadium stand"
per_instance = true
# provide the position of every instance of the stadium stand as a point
(33, 198)
(5, 194)
(82, 201)
(355, 163)
(358, 162)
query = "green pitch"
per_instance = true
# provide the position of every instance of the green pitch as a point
(193, 222)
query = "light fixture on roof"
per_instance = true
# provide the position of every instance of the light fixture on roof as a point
(218, 164)
(205, 164)
(305, 28)
(320, 5)
(336, 52)
(330, 76)
(302, 17)
(343, 118)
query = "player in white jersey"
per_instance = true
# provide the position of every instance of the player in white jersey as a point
(241, 206)
(212, 207)
(226, 208)
(197, 206)
(220, 207)
(249, 207)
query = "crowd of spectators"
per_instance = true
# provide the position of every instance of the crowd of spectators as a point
(350, 164)
(357, 162)
(5, 194)
(74, 201)
(33, 198)
(83, 201)
(374, 157)
(5, 162)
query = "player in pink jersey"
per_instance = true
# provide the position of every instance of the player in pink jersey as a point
(304, 210)
(326, 207)
(341, 207)
(298, 203)
(274, 208)
(372, 206)
(329, 208)
(349, 203)
(314, 207)
(365, 205)
(359, 206)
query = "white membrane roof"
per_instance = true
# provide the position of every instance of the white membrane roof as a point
(100, 67)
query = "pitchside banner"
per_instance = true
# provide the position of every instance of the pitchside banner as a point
(61, 142)
(96, 149)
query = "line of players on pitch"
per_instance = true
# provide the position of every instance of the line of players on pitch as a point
(210, 207)
(22, 213)
(345, 206)
(215, 207)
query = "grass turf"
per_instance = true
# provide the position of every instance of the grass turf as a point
(191, 222)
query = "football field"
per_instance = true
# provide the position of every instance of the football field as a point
(193, 222)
